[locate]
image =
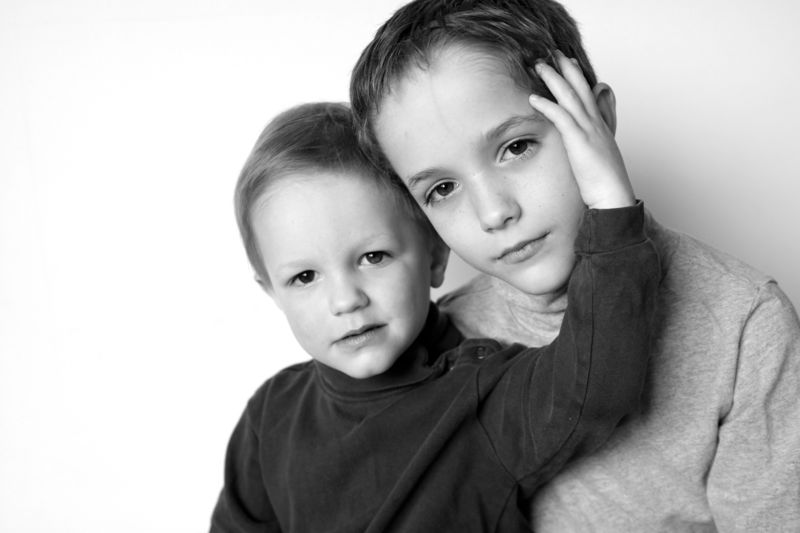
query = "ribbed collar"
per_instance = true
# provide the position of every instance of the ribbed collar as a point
(417, 364)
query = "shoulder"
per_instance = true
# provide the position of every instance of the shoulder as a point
(475, 305)
(475, 289)
(277, 393)
(714, 294)
(694, 267)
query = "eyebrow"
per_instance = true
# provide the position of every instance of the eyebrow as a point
(494, 133)
(378, 239)
(291, 267)
(512, 122)
(424, 175)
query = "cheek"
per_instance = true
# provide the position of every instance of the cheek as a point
(568, 206)
(415, 278)
(458, 227)
(549, 191)
(557, 174)
(408, 292)
(303, 321)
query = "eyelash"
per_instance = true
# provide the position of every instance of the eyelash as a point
(296, 281)
(529, 144)
(429, 196)
(430, 199)
(380, 253)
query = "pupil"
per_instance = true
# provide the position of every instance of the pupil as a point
(518, 147)
(444, 189)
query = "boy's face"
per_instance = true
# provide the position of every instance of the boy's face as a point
(347, 268)
(491, 174)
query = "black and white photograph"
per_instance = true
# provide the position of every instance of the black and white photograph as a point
(399, 266)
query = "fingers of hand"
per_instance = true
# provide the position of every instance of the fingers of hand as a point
(565, 95)
(570, 89)
(592, 151)
(571, 72)
(555, 113)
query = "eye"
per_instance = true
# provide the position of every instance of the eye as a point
(373, 258)
(303, 278)
(440, 191)
(517, 149)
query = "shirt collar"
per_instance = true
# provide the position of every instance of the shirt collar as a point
(416, 365)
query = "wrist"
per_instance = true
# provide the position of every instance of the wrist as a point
(621, 198)
(605, 230)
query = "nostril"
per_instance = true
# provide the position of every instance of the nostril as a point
(496, 222)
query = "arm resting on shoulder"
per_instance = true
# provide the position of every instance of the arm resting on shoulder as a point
(593, 374)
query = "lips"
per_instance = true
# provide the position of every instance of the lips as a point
(360, 335)
(521, 251)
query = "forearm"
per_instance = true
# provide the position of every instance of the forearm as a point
(620, 268)
(601, 353)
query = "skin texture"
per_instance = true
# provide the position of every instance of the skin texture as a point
(495, 171)
(348, 270)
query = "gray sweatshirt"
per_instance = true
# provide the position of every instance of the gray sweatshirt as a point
(717, 444)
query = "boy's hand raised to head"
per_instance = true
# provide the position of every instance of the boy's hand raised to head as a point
(593, 153)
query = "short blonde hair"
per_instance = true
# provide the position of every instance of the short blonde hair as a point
(307, 138)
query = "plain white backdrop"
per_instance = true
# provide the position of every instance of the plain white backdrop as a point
(131, 332)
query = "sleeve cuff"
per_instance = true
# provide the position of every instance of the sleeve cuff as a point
(606, 230)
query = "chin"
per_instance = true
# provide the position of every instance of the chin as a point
(360, 373)
(375, 366)
(538, 283)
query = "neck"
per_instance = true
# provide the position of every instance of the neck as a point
(551, 302)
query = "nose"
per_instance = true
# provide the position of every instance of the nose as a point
(494, 202)
(345, 295)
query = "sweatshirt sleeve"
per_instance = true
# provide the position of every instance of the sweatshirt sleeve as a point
(571, 394)
(754, 480)
(243, 505)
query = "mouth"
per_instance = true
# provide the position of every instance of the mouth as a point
(359, 336)
(521, 251)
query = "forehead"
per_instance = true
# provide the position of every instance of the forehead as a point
(320, 195)
(308, 211)
(447, 67)
(453, 104)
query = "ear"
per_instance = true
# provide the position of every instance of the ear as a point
(440, 253)
(607, 104)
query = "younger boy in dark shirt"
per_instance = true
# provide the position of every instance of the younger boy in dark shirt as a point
(397, 424)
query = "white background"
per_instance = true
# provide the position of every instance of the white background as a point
(131, 333)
